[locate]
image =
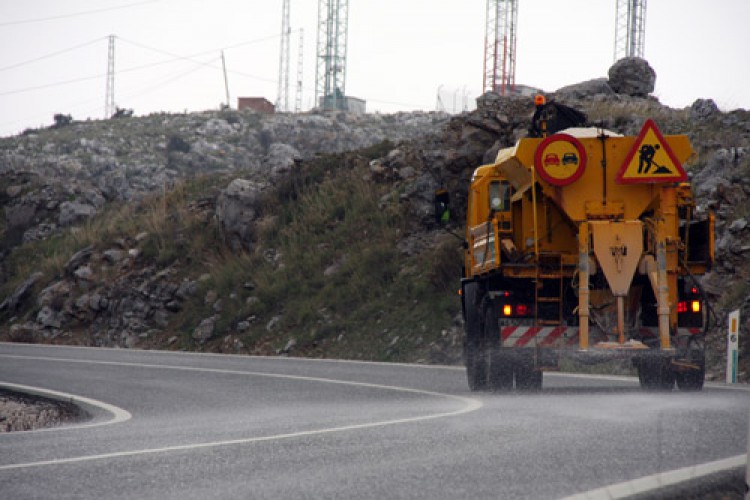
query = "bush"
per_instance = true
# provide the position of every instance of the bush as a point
(62, 120)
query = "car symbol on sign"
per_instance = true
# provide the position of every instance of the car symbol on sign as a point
(569, 158)
(551, 159)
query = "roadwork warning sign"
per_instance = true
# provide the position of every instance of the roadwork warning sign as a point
(650, 160)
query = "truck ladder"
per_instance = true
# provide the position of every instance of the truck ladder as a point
(549, 287)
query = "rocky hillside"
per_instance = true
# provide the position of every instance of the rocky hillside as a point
(308, 234)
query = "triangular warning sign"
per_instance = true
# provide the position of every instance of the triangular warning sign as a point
(650, 160)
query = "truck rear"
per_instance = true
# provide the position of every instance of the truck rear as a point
(586, 244)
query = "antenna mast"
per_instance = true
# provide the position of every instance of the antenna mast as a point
(500, 46)
(109, 99)
(630, 28)
(282, 102)
(330, 72)
(300, 54)
(226, 80)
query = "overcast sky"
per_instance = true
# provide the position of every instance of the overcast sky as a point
(167, 52)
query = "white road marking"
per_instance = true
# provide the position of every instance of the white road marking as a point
(249, 356)
(663, 479)
(118, 414)
(470, 405)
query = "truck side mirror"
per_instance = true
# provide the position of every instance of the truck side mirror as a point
(442, 207)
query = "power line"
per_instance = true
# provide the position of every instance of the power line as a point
(174, 58)
(53, 54)
(50, 85)
(171, 79)
(211, 51)
(125, 95)
(74, 14)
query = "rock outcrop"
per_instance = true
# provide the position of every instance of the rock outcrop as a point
(632, 76)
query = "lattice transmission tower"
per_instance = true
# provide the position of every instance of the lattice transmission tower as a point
(500, 46)
(630, 28)
(282, 101)
(330, 71)
(300, 60)
(109, 96)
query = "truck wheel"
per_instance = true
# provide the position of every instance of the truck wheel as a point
(527, 378)
(475, 351)
(501, 367)
(655, 375)
(692, 380)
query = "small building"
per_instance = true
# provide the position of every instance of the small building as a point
(344, 103)
(257, 104)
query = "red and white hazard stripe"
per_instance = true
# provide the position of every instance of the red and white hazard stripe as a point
(538, 336)
(560, 336)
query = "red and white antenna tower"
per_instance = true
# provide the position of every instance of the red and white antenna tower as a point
(500, 46)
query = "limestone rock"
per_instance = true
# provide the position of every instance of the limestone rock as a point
(72, 212)
(703, 109)
(595, 87)
(632, 76)
(205, 330)
(281, 158)
(14, 300)
(236, 209)
(48, 318)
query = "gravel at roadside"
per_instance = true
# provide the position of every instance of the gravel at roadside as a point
(23, 412)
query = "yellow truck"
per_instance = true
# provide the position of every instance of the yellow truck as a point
(585, 244)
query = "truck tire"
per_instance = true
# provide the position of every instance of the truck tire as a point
(475, 350)
(527, 377)
(655, 374)
(501, 366)
(692, 380)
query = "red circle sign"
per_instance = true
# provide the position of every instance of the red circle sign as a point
(560, 159)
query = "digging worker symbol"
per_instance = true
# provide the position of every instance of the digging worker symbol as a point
(646, 158)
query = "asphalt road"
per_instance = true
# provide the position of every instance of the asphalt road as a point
(205, 426)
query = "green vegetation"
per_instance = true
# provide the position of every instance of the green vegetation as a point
(329, 267)
(325, 268)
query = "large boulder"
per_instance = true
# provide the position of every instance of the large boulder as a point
(632, 76)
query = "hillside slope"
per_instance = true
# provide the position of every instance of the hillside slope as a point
(302, 234)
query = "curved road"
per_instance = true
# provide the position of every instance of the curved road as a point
(175, 425)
